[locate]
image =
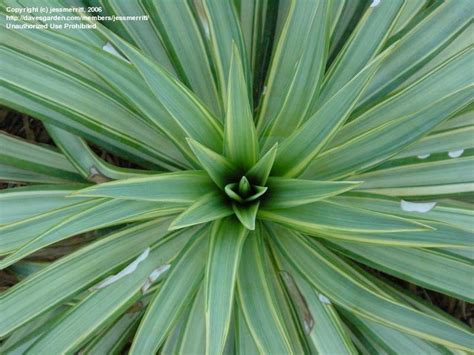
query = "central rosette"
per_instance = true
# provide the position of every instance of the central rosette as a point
(239, 173)
(243, 192)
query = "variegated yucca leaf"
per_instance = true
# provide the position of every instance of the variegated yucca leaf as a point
(279, 149)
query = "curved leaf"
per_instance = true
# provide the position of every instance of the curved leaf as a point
(328, 216)
(225, 247)
(85, 160)
(25, 202)
(186, 46)
(183, 186)
(256, 302)
(419, 45)
(295, 70)
(140, 33)
(384, 141)
(99, 213)
(224, 32)
(74, 273)
(247, 214)
(430, 178)
(425, 267)
(414, 98)
(220, 170)
(260, 172)
(298, 150)
(208, 208)
(452, 213)
(76, 99)
(35, 158)
(321, 322)
(446, 141)
(285, 193)
(177, 291)
(184, 107)
(106, 304)
(327, 272)
(239, 124)
(365, 42)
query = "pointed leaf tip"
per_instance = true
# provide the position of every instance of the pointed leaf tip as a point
(220, 170)
(208, 208)
(244, 186)
(239, 123)
(246, 214)
(260, 172)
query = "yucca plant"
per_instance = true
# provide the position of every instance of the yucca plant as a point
(281, 152)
